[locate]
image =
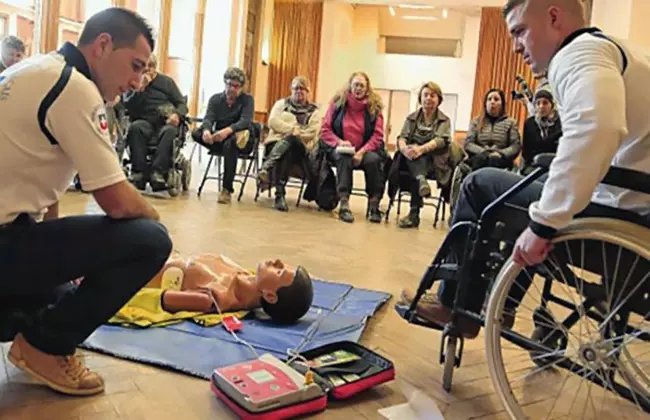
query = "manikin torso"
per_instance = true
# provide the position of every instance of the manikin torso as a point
(197, 283)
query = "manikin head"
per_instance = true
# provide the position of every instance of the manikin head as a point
(430, 96)
(234, 78)
(13, 50)
(538, 27)
(300, 90)
(116, 44)
(287, 293)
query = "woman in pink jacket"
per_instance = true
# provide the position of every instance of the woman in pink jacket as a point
(353, 133)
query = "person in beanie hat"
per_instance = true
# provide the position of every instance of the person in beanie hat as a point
(542, 131)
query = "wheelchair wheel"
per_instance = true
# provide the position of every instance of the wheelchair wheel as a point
(592, 367)
(460, 172)
(174, 183)
(450, 363)
(186, 175)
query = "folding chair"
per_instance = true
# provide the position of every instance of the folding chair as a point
(253, 163)
(292, 182)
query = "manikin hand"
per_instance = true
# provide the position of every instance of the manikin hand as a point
(530, 249)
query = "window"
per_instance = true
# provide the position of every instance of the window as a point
(423, 46)
(73, 14)
(216, 50)
(180, 65)
(17, 18)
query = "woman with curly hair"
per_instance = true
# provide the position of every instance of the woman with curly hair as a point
(353, 134)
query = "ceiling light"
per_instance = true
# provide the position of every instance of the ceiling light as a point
(444, 13)
(416, 6)
(391, 10)
(420, 17)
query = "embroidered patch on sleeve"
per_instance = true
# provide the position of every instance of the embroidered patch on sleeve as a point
(100, 120)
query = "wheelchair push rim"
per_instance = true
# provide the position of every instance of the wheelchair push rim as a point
(604, 362)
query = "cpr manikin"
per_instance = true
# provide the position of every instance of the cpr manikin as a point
(212, 283)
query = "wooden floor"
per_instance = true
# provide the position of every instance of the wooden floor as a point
(379, 257)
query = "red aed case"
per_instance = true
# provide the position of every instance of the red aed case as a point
(269, 389)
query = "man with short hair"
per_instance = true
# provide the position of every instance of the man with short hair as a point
(156, 111)
(227, 125)
(53, 126)
(12, 51)
(601, 87)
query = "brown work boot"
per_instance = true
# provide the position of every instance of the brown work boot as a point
(430, 309)
(224, 197)
(66, 374)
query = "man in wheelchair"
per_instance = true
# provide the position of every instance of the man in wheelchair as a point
(601, 86)
(156, 112)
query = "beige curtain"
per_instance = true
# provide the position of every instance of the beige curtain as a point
(295, 45)
(497, 65)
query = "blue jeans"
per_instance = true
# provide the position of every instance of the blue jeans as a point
(116, 258)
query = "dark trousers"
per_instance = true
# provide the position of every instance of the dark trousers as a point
(371, 165)
(116, 258)
(229, 151)
(484, 160)
(478, 190)
(418, 168)
(140, 135)
(283, 154)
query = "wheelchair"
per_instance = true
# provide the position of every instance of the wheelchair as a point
(595, 280)
(179, 176)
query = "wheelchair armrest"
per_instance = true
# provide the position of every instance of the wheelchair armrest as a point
(628, 179)
(543, 160)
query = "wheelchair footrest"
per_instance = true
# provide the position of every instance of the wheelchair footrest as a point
(414, 319)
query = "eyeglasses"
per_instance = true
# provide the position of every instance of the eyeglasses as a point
(233, 85)
(299, 88)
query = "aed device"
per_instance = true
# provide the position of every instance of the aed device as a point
(267, 388)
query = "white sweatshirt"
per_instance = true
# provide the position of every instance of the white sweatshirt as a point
(605, 114)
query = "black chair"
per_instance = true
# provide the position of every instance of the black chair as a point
(257, 131)
(292, 182)
(438, 202)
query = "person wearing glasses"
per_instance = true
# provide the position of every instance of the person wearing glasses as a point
(226, 128)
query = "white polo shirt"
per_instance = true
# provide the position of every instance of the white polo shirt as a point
(602, 87)
(52, 126)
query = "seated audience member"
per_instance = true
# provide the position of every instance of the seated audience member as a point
(226, 128)
(493, 138)
(12, 51)
(155, 111)
(542, 131)
(542, 85)
(294, 124)
(353, 134)
(424, 143)
(601, 87)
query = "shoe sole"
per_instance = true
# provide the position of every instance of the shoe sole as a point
(20, 364)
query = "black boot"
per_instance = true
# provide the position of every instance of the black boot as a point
(374, 214)
(345, 214)
(412, 220)
(423, 186)
(280, 203)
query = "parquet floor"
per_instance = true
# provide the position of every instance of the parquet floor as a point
(379, 257)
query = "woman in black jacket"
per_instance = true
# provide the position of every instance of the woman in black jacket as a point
(542, 131)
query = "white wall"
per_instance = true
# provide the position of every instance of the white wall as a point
(349, 43)
(612, 16)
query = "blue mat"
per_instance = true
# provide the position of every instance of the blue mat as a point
(339, 313)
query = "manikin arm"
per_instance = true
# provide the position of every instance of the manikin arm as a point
(193, 301)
